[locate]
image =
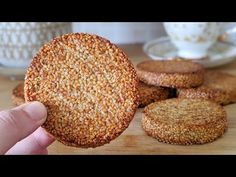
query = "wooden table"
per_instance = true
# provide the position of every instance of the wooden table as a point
(134, 140)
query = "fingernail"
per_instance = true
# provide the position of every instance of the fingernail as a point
(36, 110)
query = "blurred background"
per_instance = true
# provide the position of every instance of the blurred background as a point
(127, 33)
(19, 41)
(123, 33)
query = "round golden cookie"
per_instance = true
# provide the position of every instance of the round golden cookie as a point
(171, 73)
(89, 87)
(218, 86)
(184, 121)
(149, 94)
(18, 94)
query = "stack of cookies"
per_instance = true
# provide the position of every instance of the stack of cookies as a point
(195, 116)
(217, 86)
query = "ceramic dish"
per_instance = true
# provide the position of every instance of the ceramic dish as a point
(219, 54)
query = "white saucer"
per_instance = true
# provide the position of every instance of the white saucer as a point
(219, 54)
(12, 73)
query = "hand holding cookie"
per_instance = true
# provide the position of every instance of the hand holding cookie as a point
(20, 131)
(89, 87)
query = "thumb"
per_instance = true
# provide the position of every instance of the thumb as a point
(19, 122)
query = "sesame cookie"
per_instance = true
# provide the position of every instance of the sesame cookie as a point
(149, 94)
(89, 87)
(18, 94)
(218, 86)
(175, 74)
(184, 121)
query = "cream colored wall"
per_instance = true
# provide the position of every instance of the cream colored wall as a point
(122, 32)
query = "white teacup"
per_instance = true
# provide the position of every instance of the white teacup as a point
(192, 39)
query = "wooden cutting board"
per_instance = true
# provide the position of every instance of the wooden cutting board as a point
(134, 140)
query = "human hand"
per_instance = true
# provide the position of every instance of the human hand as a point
(20, 131)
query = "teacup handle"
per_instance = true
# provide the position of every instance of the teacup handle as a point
(228, 35)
